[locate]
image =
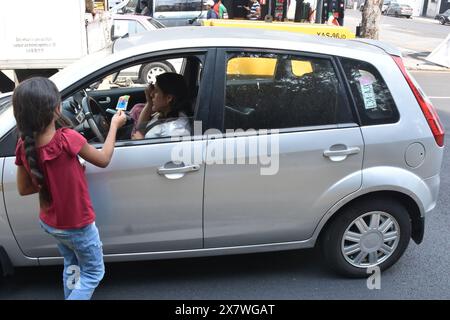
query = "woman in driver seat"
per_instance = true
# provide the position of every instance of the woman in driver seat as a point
(166, 112)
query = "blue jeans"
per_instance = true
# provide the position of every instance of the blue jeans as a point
(83, 260)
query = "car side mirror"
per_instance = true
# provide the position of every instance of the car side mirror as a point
(113, 36)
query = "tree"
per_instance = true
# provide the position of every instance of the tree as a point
(371, 15)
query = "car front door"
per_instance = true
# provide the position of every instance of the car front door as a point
(144, 201)
(266, 187)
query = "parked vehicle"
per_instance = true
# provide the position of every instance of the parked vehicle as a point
(128, 25)
(443, 17)
(169, 13)
(126, 7)
(113, 3)
(386, 4)
(399, 10)
(353, 165)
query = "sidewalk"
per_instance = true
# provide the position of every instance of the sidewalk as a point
(414, 43)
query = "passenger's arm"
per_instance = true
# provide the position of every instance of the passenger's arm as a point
(101, 158)
(137, 136)
(145, 116)
(146, 112)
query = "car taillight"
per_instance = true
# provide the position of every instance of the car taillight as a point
(427, 108)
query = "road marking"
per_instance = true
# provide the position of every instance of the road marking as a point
(439, 97)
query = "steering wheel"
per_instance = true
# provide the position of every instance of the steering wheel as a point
(95, 116)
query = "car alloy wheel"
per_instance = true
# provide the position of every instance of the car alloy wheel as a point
(150, 71)
(153, 73)
(370, 239)
(372, 231)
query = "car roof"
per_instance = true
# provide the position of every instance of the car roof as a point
(162, 40)
(205, 36)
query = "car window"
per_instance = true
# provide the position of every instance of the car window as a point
(372, 96)
(275, 91)
(170, 5)
(109, 90)
(5, 103)
(155, 23)
(8, 143)
(123, 27)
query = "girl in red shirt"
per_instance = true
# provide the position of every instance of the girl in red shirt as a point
(48, 164)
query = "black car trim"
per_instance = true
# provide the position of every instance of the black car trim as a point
(8, 143)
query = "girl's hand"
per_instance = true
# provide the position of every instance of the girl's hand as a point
(119, 119)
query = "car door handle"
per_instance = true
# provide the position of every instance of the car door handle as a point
(185, 169)
(339, 153)
(106, 100)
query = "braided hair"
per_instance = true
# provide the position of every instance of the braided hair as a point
(35, 103)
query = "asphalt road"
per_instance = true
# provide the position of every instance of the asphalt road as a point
(422, 273)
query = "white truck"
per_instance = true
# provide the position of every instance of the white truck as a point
(39, 37)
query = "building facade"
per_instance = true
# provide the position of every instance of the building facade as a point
(433, 7)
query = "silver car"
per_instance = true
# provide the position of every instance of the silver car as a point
(125, 25)
(345, 153)
(399, 10)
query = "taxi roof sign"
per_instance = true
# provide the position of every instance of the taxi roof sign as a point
(331, 31)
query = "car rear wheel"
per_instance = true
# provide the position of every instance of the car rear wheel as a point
(150, 71)
(367, 234)
(442, 20)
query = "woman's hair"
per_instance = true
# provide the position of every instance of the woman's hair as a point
(174, 84)
(34, 102)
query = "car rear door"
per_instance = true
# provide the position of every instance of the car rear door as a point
(275, 186)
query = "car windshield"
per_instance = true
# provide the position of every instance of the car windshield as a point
(405, 6)
(5, 102)
(447, 13)
(156, 24)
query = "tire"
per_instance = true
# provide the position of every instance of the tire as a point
(442, 21)
(408, 17)
(149, 71)
(373, 240)
(396, 14)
